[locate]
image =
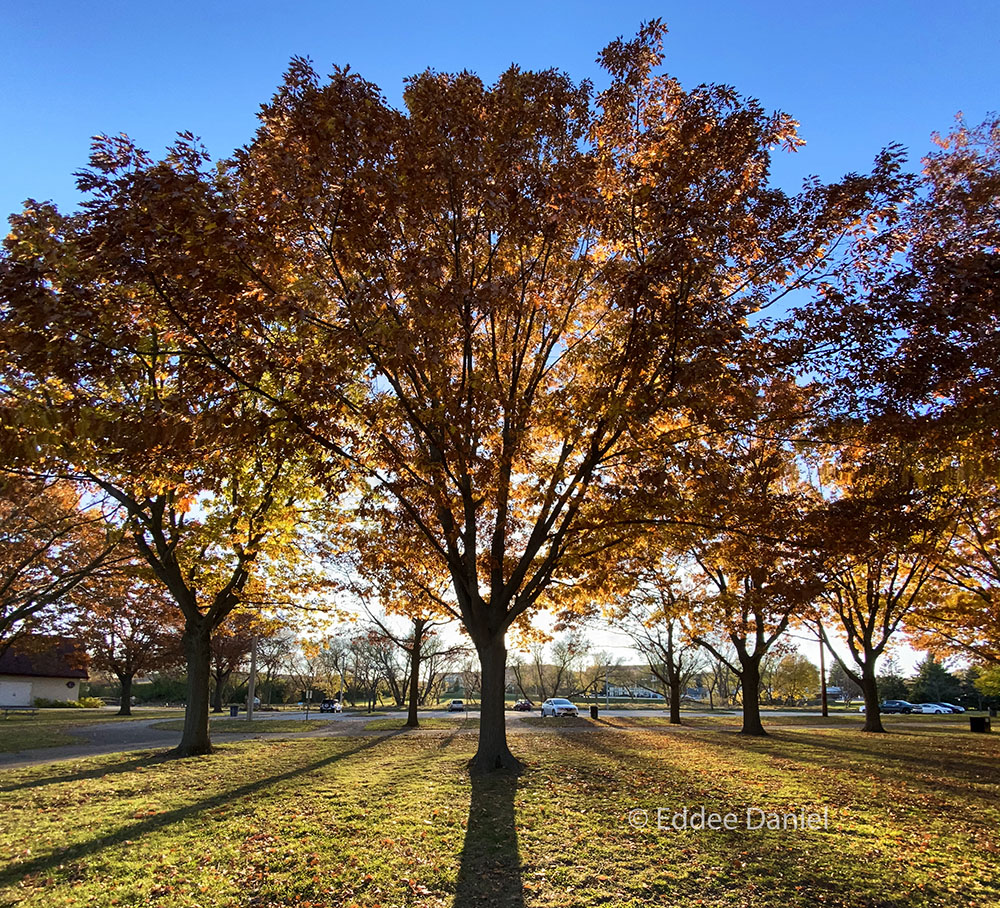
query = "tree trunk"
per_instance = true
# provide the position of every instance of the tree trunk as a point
(675, 702)
(125, 709)
(195, 739)
(217, 695)
(270, 687)
(869, 686)
(493, 752)
(750, 681)
(418, 633)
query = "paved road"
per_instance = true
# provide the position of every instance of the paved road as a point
(139, 734)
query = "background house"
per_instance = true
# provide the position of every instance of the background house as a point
(46, 668)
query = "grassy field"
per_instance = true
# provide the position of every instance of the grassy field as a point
(438, 722)
(251, 726)
(54, 727)
(395, 820)
(17, 735)
(734, 721)
(85, 716)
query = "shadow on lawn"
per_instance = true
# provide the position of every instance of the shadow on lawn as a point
(909, 752)
(805, 865)
(146, 758)
(12, 873)
(490, 869)
(959, 774)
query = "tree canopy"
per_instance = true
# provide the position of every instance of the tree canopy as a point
(516, 327)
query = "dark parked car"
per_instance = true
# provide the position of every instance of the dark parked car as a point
(894, 706)
(523, 706)
(330, 706)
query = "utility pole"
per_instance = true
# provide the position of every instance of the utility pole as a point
(822, 670)
(252, 683)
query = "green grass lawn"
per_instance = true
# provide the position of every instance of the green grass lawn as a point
(54, 727)
(251, 726)
(436, 722)
(18, 735)
(397, 821)
(87, 716)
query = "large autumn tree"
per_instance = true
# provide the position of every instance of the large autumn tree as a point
(653, 616)
(908, 341)
(881, 536)
(104, 389)
(128, 625)
(488, 302)
(751, 567)
(946, 302)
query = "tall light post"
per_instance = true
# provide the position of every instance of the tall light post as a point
(252, 683)
(822, 671)
(822, 666)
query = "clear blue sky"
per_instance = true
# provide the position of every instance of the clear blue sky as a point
(856, 74)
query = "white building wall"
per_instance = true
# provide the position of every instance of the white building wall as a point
(21, 690)
(14, 691)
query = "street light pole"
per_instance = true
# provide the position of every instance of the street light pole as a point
(822, 673)
(252, 683)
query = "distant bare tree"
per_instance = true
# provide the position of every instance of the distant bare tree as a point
(273, 655)
(671, 656)
(723, 683)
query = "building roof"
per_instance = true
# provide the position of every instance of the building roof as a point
(44, 657)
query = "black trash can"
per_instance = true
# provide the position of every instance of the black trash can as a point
(993, 712)
(593, 711)
(980, 724)
(234, 710)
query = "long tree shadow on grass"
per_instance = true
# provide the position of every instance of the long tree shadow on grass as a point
(490, 869)
(12, 873)
(958, 774)
(807, 869)
(142, 759)
(908, 754)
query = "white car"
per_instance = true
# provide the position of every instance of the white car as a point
(456, 706)
(557, 706)
(931, 709)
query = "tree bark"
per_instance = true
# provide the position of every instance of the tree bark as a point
(217, 695)
(195, 739)
(411, 715)
(125, 680)
(869, 687)
(675, 702)
(493, 752)
(750, 681)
